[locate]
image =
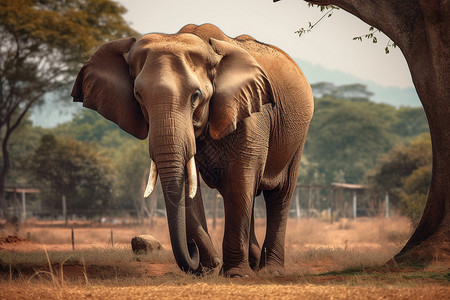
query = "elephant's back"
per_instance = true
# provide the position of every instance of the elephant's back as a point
(292, 91)
(205, 32)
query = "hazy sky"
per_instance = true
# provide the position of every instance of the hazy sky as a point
(330, 44)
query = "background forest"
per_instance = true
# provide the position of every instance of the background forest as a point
(101, 170)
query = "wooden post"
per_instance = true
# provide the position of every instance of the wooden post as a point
(331, 195)
(73, 240)
(24, 209)
(112, 238)
(15, 202)
(64, 209)
(386, 215)
(309, 202)
(215, 211)
(354, 205)
(297, 204)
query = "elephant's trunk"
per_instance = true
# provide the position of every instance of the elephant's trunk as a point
(191, 172)
(172, 178)
(171, 148)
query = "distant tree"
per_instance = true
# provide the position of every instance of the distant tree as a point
(405, 172)
(74, 169)
(414, 197)
(355, 92)
(87, 125)
(43, 43)
(21, 146)
(347, 138)
(411, 121)
(132, 176)
(309, 173)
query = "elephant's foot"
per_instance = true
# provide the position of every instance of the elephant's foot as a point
(209, 258)
(273, 269)
(254, 257)
(271, 263)
(243, 271)
(209, 263)
(271, 266)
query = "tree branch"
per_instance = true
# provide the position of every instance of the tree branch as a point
(400, 17)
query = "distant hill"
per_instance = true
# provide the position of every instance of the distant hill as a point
(391, 95)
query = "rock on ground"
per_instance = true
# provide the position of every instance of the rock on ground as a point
(145, 244)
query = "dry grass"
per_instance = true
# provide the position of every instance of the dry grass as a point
(93, 256)
(340, 260)
(202, 290)
(363, 233)
(343, 244)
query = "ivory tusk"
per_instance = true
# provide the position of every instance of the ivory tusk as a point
(192, 177)
(152, 176)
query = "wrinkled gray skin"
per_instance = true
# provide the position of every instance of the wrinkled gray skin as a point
(241, 107)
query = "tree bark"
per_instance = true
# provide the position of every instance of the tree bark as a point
(429, 61)
(5, 152)
(421, 30)
(3, 173)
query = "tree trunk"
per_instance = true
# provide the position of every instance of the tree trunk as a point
(421, 30)
(3, 172)
(429, 61)
(9, 126)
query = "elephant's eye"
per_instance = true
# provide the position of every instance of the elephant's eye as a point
(197, 94)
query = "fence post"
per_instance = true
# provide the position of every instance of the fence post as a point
(215, 211)
(309, 202)
(354, 205)
(331, 196)
(73, 240)
(297, 204)
(24, 209)
(386, 205)
(64, 209)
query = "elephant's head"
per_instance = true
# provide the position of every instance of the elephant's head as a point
(173, 88)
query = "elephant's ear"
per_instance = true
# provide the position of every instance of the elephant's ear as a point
(104, 84)
(241, 88)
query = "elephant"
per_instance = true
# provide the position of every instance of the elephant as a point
(233, 110)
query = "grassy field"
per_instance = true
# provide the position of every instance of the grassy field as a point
(340, 261)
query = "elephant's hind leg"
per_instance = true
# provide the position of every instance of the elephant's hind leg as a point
(278, 202)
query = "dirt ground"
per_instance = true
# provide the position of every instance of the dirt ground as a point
(344, 260)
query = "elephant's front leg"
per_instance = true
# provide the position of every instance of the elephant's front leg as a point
(197, 230)
(238, 203)
(255, 249)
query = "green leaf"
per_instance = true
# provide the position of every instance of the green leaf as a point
(300, 31)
